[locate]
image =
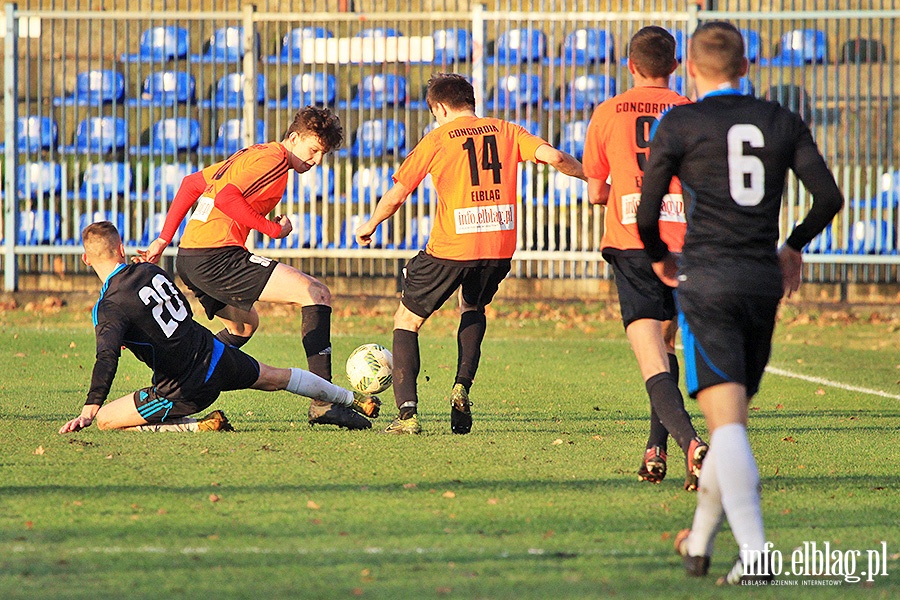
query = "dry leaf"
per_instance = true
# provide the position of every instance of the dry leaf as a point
(443, 591)
(820, 392)
(790, 439)
(214, 498)
(77, 503)
(665, 536)
(448, 495)
(365, 573)
(204, 451)
(39, 451)
(29, 524)
(557, 442)
(108, 456)
(492, 501)
(71, 344)
(597, 437)
(409, 486)
(312, 505)
(357, 591)
(779, 406)
(162, 511)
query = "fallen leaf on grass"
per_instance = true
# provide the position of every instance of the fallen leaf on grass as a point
(779, 406)
(39, 451)
(214, 498)
(29, 524)
(312, 505)
(820, 392)
(409, 486)
(557, 442)
(443, 591)
(448, 495)
(492, 501)
(71, 344)
(357, 591)
(790, 439)
(665, 535)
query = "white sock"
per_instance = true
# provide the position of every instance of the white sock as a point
(304, 383)
(181, 425)
(709, 514)
(738, 478)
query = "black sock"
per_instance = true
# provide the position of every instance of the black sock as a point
(316, 330)
(406, 371)
(668, 402)
(673, 367)
(226, 337)
(659, 435)
(472, 325)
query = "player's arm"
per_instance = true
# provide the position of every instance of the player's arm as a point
(110, 332)
(811, 169)
(188, 192)
(662, 164)
(230, 200)
(563, 162)
(390, 203)
(598, 191)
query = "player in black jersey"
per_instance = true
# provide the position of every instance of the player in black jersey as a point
(731, 153)
(141, 309)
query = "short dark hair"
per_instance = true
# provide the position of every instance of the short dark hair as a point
(652, 50)
(320, 122)
(717, 50)
(101, 239)
(451, 89)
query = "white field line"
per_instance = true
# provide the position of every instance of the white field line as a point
(829, 383)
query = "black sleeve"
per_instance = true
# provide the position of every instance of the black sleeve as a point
(110, 331)
(662, 165)
(811, 169)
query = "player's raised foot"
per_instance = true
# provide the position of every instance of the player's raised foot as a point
(758, 571)
(326, 413)
(214, 421)
(694, 566)
(653, 467)
(366, 405)
(694, 461)
(408, 426)
(460, 410)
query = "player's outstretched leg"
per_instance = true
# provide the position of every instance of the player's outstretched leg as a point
(406, 371)
(472, 327)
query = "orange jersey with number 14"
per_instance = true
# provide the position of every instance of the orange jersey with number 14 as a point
(473, 163)
(616, 148)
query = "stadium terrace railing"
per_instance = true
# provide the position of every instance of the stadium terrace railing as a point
(181, 106)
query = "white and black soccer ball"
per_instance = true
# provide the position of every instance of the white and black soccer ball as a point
(369, 369)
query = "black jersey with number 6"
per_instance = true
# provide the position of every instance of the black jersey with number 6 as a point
(732, 153)
(142, 309)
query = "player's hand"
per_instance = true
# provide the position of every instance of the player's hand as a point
(364, 234)
(76, 424)
(152, 253)
(667, 270)
(286, 226)
(791, 263)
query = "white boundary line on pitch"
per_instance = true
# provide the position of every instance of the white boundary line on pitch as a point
(829, 383)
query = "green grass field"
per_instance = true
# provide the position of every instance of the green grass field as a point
(540, 501)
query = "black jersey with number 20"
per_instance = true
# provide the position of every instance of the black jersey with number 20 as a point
(732, 153)
(142, 309)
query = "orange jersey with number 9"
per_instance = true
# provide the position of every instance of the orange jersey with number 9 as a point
(473, 163)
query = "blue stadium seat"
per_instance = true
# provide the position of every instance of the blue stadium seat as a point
(160, 44)
(573, 137)
(586, 47)
(305, 89)
(516, 46)
(225, 45)
(417, 233)
(38, 227)
(752, 44)
(230, 138)
(872, 236)
(168, 136)
(348, 233)
(166, 179)
(94, 88)
(377, 137)
(307, 233)
(36, 134)
(452, 45)
(513, 91)
(564, 190)
(116, 218)
(378, 32)
(369, 184)
(307, 187)
(799, 47)
(532, 127)
(153, 226)
(292, 44)
(822, 243)
(39, 179)
(230, 92)
(98, 134)
(104, 180)
(583, 92)
(378, 91)
(166, 88)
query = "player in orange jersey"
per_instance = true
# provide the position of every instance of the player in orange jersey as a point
(616, 150)
(473, 162)
(229, 199)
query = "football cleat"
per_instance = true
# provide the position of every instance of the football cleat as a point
(759, 571)
(214, 421)
(653, 467)
(694, 458)
(369, 406)
(694, 566)
(408, 426)
(326, 413)
(460, 411)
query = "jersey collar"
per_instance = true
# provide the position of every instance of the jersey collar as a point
(114, 272)
(722, 91)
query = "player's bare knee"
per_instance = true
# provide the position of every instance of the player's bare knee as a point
(103, 423)
(320, 293)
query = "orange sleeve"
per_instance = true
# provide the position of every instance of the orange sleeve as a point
(415, 166)
(595, 160)
(527, 143)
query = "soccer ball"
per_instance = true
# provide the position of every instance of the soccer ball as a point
(369, 369)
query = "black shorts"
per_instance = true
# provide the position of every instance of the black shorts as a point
(726, 337)
(228, 369)
(428, 282)
(220, 277)
(641, 293)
